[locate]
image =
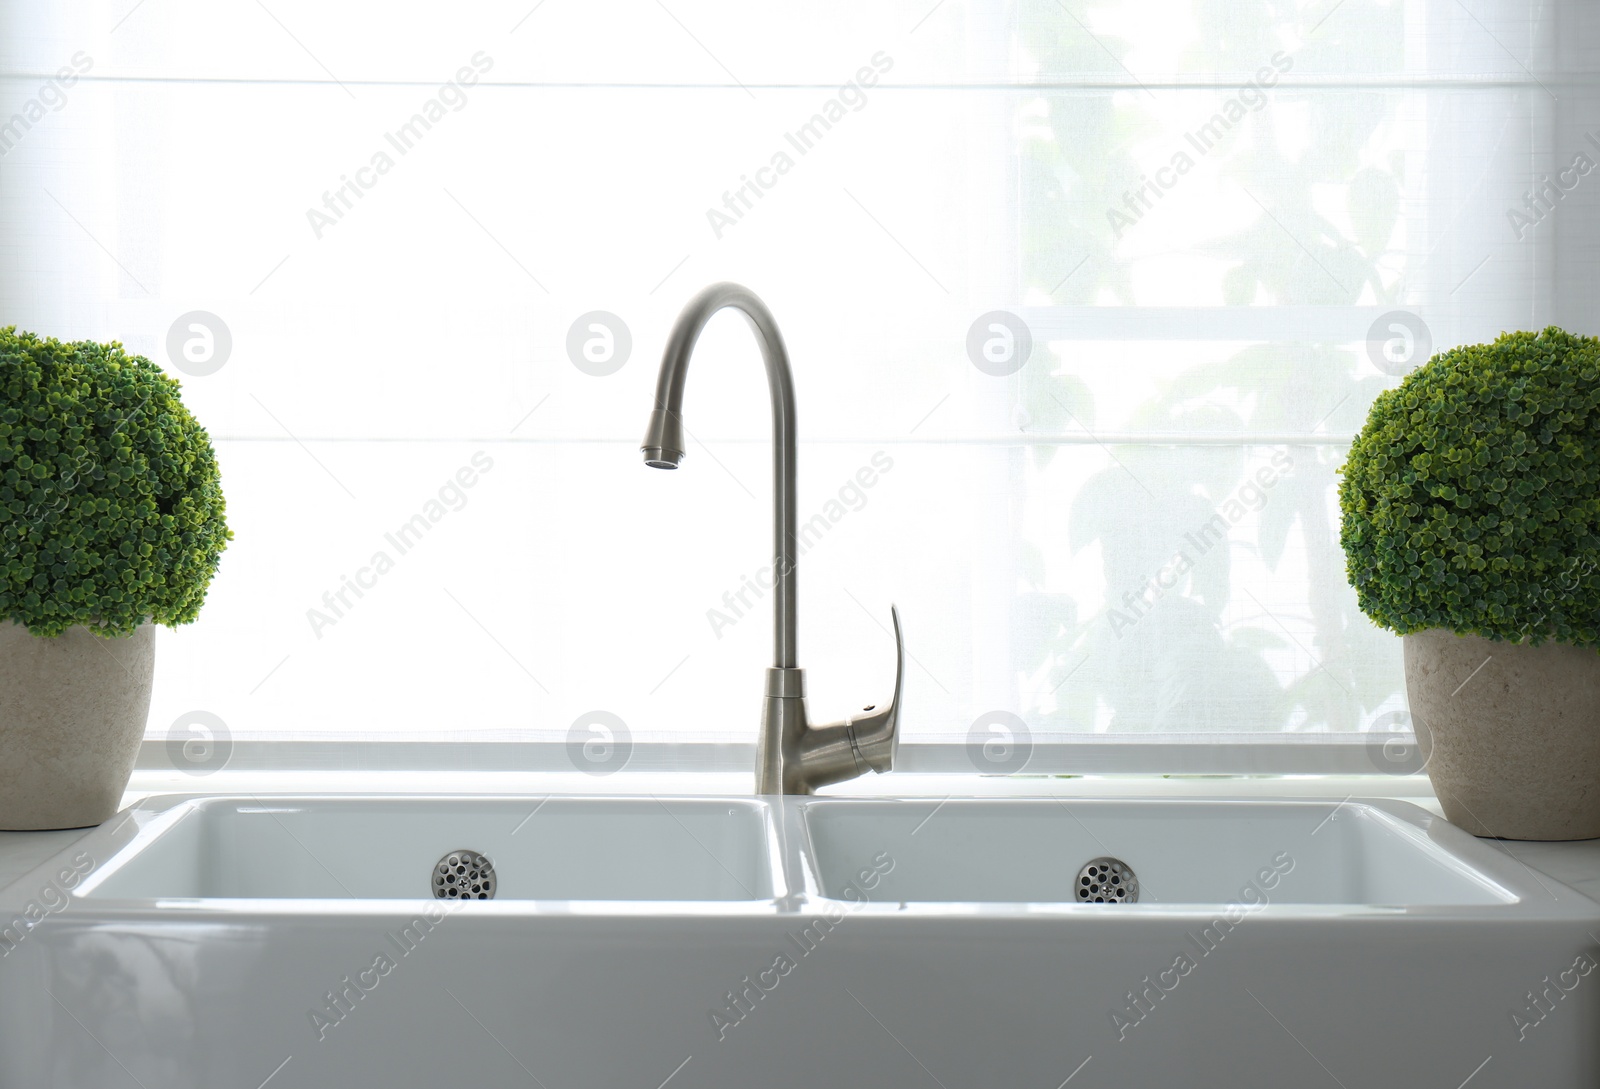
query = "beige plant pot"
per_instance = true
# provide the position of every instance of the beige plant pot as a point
(1515, 733)
(72, 713)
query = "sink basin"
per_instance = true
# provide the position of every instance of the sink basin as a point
(386, 849)
(1193, 853)
(293, 942)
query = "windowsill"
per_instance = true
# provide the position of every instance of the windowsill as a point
(909, 784)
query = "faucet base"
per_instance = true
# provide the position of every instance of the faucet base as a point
(783, 724)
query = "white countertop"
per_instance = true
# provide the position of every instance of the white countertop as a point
(1576, 864)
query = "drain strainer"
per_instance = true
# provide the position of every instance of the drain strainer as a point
(463, 875)
(1107, 880)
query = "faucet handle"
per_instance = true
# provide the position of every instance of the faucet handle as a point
(875, 734)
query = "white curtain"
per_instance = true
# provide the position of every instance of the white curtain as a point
(1198, 211)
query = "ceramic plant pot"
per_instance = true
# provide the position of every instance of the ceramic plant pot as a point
(72, 713)
(1515, 733)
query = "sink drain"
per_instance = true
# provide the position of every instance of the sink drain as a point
(463, 875)
(1107, 880)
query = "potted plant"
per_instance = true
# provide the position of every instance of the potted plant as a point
(111, 521)
(1471, 504)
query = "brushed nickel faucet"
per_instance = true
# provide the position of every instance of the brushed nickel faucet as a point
(792, 756)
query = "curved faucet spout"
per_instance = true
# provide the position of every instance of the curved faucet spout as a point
(792, 756)
(663, 445)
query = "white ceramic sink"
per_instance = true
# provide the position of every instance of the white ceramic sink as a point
(293, 942)
(678, 849)
(1189, 853)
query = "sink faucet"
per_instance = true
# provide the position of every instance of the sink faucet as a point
(792, 756)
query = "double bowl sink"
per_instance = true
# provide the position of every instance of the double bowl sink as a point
(730, 941)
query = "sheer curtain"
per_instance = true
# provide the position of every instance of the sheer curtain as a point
(1084, 300)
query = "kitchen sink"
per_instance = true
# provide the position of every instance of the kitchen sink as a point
(674, 849)
(733, 941)
(1190, 853)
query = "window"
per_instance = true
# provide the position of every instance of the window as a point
(402, 250)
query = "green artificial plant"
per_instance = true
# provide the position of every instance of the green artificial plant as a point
(111, 508)
(1471, 498)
